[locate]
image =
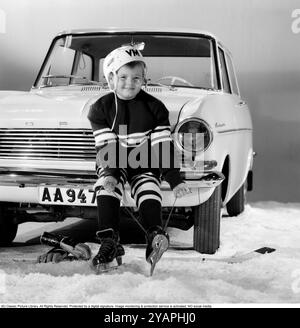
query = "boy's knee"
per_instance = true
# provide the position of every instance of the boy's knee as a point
(102, 192)
(150, 203)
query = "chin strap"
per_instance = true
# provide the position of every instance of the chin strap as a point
(114, 90)
(116, 104)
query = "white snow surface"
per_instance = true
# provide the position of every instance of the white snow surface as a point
(180, 278)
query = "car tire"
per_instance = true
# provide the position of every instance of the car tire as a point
(236, 205)
(207, 217)
(8, 228)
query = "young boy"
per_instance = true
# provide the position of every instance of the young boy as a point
(126, 122)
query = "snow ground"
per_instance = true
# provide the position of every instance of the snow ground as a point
(180, 277)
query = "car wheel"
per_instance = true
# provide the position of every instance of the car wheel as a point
(207, 217)
(236, 205)
(8, 228)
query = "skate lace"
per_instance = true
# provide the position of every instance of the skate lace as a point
(107, 250)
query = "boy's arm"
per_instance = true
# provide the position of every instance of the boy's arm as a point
(163, 150)
(106, 142)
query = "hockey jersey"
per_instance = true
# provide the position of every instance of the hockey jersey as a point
(140, 125)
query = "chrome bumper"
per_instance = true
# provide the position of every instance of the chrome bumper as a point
(84, 179)
(24, 186)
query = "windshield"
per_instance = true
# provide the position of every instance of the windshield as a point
(172, 60)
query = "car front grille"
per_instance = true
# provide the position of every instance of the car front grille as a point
(47, 144)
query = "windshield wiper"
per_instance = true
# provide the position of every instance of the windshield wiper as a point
(175, 86)
(194, 87)
(62, 76)
(170, 87)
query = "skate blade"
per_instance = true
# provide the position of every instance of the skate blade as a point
(160, 244)
(106, 267)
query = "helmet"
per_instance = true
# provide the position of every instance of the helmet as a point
(120, 57)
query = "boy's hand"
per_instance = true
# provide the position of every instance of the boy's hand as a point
(181, 190)
(108, 183)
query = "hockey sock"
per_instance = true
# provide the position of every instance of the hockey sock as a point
(150, 213)
(108, 212)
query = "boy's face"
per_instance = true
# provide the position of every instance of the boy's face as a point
(129, 81)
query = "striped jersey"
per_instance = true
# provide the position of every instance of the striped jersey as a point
(139, 124)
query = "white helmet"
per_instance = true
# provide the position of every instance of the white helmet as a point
(120, 57)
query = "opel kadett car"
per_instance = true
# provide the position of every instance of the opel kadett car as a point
(47, 148)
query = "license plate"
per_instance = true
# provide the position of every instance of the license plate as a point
(67, 196)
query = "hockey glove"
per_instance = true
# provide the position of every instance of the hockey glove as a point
(80, 251)
(108, 183)
(54, 255)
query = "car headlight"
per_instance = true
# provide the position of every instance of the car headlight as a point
(193, 135)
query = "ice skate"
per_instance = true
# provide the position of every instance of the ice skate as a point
(157, 244)
(110, 252)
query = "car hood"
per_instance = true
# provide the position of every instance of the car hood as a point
(42, 110)
(58, 109)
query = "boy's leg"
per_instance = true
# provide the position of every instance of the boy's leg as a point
(150, 213)
(145, 190)
(108, 205)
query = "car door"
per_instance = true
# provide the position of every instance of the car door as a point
(241, 129)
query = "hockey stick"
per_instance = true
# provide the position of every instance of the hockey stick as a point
(237, 258)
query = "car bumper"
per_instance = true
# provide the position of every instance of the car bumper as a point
(27, 187)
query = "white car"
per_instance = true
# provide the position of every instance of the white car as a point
(47, 149)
